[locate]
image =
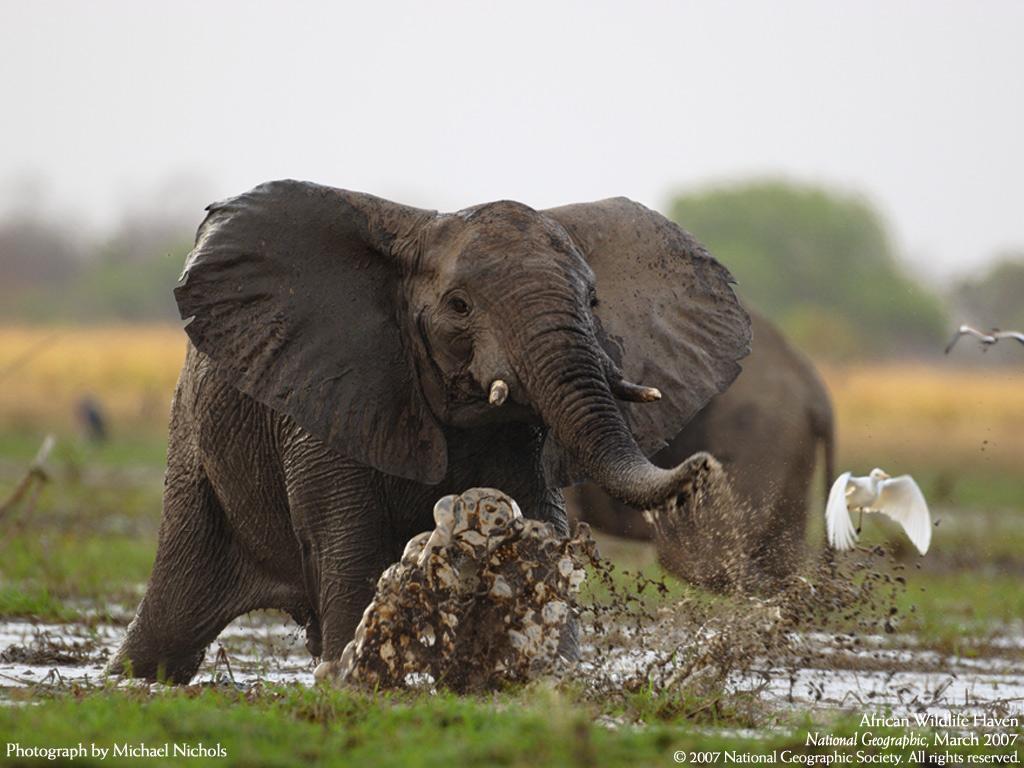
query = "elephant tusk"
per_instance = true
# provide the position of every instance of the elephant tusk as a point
(499, 392)
(651, 394)
(626, 390)
(635, 393)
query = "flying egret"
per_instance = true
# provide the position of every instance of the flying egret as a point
(986, 339)
(896, 497)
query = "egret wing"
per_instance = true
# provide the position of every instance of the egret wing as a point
(901, 499)
(838, 525)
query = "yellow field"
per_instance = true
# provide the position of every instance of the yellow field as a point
(935, 415)
(131, 370)
(941, 416)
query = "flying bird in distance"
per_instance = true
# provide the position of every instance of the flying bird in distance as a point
(986, 339)
(897, 497)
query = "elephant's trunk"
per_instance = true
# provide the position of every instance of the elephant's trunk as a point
(566, 375)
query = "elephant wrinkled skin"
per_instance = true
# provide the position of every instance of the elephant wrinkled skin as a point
(352, 360)
(765, 430)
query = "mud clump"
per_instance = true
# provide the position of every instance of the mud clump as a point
(486, 598)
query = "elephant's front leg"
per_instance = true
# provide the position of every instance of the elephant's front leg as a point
(337, 517)
(552, 510)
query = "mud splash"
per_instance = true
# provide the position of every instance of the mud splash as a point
(830, 640)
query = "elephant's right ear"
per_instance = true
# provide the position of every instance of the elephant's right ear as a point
(293, 291)
(667, 311)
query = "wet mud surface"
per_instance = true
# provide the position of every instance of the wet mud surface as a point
(633, 638)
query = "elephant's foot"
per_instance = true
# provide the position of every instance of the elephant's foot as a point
(314, 639)
(699, 532)
(336, 670)
(201, 580)
(328, 672)
(144, 656)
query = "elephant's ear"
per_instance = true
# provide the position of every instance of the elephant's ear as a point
(293, 291)
(669, 315)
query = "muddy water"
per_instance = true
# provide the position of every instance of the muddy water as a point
(252, 649)
(884, 672)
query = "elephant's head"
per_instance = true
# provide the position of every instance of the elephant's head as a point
(376, 326)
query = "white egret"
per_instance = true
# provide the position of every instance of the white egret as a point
(897, 497)
(986, 339)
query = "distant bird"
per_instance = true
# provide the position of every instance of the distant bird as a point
(895, 497)
(92, 417)
(986, 339)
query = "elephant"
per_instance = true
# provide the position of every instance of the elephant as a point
(350, 360)
(765, 430)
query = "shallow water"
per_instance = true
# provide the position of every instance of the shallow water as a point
(885, 672)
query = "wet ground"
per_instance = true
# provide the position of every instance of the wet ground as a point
(879, 672)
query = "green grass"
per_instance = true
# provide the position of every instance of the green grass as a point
(963, 539)
(293, 725)
(90, 535)
(985, 490)
(95, 568)
(956, 611)
(140, 449)
(31, 600)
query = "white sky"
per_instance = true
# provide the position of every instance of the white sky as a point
(443, 104)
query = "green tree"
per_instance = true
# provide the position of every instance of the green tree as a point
(819, 262)
(128, 277)
(129, 291)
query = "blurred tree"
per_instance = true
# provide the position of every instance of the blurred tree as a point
(128, 277)
(133, 273)
(129, 289)
(819, 262)
(996, 298)
(32, 252)
(52, 272)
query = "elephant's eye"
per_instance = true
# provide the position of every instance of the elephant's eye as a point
(459, 305)
(593, 299)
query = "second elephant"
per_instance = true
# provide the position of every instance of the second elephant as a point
(765, 430)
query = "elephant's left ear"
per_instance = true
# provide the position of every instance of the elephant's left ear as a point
(294, 291)
(669, 315)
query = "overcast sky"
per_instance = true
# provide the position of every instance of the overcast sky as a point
(919, 105)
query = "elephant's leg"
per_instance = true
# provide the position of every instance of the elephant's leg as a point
(781, 540)
(782, 544)
(551, 509)
(200, 582)
(345, 584)
(337, 513)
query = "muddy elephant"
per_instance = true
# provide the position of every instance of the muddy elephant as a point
(351, 360)
(765, 430)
